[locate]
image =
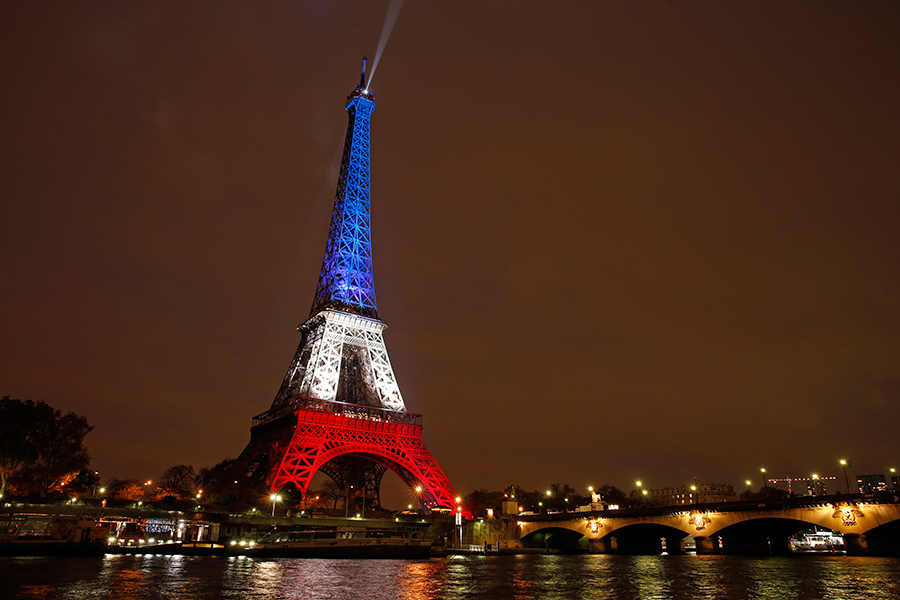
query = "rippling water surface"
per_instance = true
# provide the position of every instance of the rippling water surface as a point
(497, 577)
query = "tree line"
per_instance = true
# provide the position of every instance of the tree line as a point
(43, 456)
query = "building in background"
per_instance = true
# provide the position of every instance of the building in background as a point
(869, 484)
(699, 493)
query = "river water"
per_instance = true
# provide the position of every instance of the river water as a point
(496, 577)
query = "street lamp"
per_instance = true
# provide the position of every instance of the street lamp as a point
(846, 479)
(694, 494)
(815, 484)
(765, 482)
(274, 498)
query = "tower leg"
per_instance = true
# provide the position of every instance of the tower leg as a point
(321, 437)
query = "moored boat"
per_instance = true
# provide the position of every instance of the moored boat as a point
(344, 543)
(51, 535)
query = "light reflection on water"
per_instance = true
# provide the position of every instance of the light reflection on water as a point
(527, 577)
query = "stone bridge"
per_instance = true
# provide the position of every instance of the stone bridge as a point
(870, 525)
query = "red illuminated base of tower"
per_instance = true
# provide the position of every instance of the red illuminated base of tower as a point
(321, 436)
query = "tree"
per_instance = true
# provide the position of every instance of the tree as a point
(18, 437)
(62, 450)
(226, 483)
(177, 481)
(332, 490)
(125, 489)
(84, 483)
(34, 434)
(612, 495)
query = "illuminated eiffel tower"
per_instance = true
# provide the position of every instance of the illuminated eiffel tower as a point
(339, 409)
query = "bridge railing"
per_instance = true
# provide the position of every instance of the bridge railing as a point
(356, 411)
(735, 506)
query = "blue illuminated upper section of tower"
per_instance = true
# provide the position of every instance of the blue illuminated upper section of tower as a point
(346, 281)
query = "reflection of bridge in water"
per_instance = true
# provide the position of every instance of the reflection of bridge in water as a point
(869, 524)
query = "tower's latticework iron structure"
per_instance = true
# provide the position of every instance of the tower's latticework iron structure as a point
(339, 409)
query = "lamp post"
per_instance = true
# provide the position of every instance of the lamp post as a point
(765, 483)
(459, 521)
(693, 494)
(274, 498)
(846, 479)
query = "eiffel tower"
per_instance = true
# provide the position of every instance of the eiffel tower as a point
(339, 409)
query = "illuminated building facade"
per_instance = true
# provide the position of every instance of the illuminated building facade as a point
(700, 493)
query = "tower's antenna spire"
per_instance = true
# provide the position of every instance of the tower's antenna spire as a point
(362, 78)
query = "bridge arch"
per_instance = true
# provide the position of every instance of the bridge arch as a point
(561, 539)
(758, 535)
(642, 538)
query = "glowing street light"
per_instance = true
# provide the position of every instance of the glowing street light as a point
(846, 479)
(274, 498)
(694, 494)
(765, 482)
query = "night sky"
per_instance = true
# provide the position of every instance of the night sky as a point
(613, 240)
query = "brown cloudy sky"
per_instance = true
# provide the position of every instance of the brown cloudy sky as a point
(613, 240)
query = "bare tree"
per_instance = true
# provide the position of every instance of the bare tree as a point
(177, 481)
(332, 490)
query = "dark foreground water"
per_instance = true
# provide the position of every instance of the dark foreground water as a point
(495, 577)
